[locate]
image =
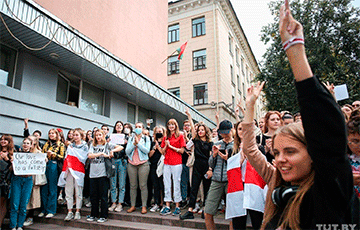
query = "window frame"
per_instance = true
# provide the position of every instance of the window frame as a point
(177, 64)
(205, 94)
(203, 66)
(11, 76)
(177, 33)
(173, 90)
(202, 27)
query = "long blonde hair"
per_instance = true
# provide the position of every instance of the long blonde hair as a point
(290, 217)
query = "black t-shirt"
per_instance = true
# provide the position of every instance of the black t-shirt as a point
(185, 155)
(156, 156)
(202, 150)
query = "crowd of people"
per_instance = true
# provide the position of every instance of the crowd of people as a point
(287, 171)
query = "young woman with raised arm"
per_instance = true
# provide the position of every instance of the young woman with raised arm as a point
(311, 185)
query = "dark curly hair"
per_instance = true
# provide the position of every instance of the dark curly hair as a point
(353, 125)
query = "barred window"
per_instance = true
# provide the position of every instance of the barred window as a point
(173, 65)
(198, 27)
(199, 59)
(173, 33)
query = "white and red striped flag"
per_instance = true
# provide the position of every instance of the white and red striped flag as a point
(246, 189)
(74, 163)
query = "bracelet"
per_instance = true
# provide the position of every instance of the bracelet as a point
(292, 41)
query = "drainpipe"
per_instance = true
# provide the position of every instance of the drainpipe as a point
(216, 69)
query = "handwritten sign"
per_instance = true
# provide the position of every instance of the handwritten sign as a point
(29, 163)
(117, 139)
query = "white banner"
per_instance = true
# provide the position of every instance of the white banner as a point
(117, 139)
(29, 163)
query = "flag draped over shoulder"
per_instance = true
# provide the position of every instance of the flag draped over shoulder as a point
(74, 163)
(181, 50)
(246, 189)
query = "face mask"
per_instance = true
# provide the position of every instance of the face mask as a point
(138, 131)
(159, 135)
(126, 130)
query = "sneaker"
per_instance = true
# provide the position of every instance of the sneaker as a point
(88, 205)
(29, 221)
(41, 214)
(112, 207)
(187, 215)
(184, 204)
(202, 215)
(50, 215)
(90, 218)
(201, 210)
(154, 208)
(176, 212)
(19, 228)
(118, 208)
(69, 216)
(197, 207)
(165, 211)
(101, 220)
(13, 229)
(77, 216)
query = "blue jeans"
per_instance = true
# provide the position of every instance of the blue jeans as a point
(19, 198)
(120, 175)
(184, 182)
(49, 191)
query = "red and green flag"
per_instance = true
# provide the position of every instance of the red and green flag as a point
(181, 51)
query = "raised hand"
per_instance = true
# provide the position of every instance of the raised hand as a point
(288, 26)
(253, 93)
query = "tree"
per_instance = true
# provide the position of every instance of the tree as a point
(332, 40)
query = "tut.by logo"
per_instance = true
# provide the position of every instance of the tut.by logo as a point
(336, 226)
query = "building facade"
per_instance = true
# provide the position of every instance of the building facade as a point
(218, 64)
(59, 77)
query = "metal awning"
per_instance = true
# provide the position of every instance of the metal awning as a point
(35, 27)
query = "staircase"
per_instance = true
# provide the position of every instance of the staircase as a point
(124, 220)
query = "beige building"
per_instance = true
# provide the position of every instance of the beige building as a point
(218, 65)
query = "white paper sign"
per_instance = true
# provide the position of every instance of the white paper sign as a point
(117, 138)
(341, 92)
(29, 163)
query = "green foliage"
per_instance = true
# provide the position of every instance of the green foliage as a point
(332, 40)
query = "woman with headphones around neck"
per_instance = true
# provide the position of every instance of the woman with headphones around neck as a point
(311, 184)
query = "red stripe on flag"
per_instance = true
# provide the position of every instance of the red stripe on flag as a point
(252, 177)
(73, 163)
(182, 49)
(234, 180)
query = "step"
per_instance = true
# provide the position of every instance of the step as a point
(111, 224)
(156, 218)
(42, 226)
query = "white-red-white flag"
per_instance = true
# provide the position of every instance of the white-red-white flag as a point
(74, 163)
(246, 189)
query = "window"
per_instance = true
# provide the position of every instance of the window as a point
(7, 66)
(233, 102)
(238, 82)
(242, 66)
(244, 92)
(200, 94)
(198, 26)
(175, 91)
(199, 59)
(237, 55)
(173, 65)
(232, 75)
(92, 98)
(230, 45)
(68, 90)
(143, 115)
(131, 113)
(173, 33)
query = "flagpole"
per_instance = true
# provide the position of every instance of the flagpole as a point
(168, 56)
